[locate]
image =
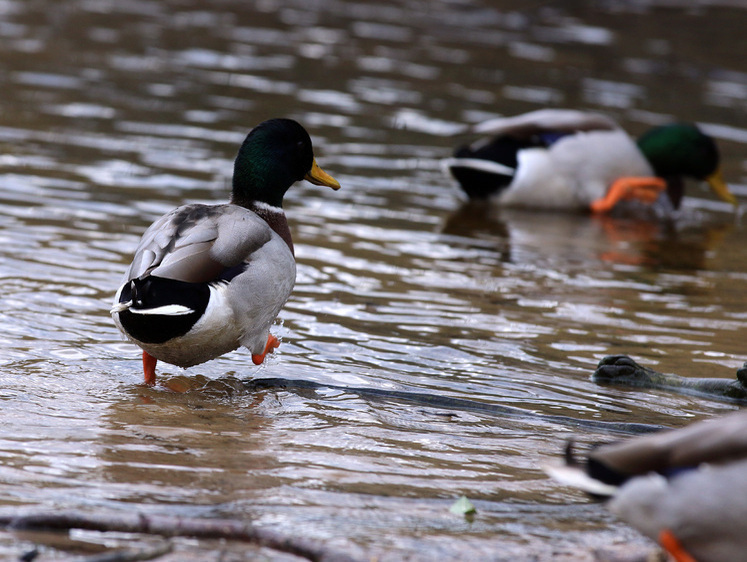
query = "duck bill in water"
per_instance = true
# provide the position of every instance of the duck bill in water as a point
(719, 187)
(317, 176)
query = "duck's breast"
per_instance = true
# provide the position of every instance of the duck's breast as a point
(574, 171)
(258, 294)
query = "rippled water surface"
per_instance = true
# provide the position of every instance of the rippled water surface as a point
(408, 303)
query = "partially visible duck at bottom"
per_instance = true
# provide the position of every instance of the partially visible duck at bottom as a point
(206, 279)
(684, 488)
(562, 159)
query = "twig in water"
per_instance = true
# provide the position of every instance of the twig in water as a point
(168, 526)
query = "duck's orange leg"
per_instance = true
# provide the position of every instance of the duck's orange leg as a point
(149, 368)
(272, 343)
(673, 546)
(644, 189)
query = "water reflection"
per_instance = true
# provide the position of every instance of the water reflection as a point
(685, 244)
(195, 449)
(115, 112)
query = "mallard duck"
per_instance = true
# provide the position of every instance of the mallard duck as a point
(685, 488)
(575, 160)
(206, 279)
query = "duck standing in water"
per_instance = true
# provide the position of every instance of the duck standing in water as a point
(206, 279)
(685, 488)
(564, 159)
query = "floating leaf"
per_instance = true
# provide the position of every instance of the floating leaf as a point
(462, 507)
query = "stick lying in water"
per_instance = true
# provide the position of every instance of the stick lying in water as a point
(170, 526)
(622, 370)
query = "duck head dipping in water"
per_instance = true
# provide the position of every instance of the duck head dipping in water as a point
(562, 159)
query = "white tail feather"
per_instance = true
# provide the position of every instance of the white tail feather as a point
(577, 478)
(120, 306)
(167, 310)
(482, 165)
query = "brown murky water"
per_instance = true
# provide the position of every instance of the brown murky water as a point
(111, 113)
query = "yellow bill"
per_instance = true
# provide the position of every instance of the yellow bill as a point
(317, 176)
(719, 187)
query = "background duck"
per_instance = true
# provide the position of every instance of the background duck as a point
(206, 279)
(575, 160)
(684, 488)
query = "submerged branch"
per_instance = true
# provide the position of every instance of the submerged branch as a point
(172, 526)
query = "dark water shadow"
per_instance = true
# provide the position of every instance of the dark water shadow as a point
(449, 403)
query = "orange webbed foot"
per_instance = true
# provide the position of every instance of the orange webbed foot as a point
(646, 189)
(674, 547)
(272, 343)
(149, 369)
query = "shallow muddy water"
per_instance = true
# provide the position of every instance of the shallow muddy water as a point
(416, 317)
